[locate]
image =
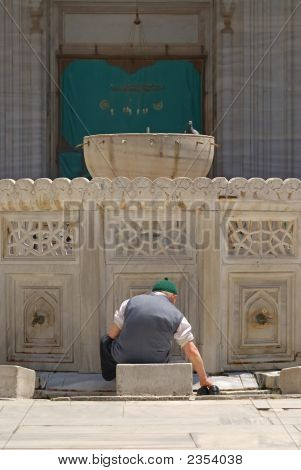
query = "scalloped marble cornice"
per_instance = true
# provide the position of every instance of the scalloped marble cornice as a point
(46, 194)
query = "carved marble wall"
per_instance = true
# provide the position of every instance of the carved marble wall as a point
(40, 288)
(72, 251)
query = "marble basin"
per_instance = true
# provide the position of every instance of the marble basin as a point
(149, 155)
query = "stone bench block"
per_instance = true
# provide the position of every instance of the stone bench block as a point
(269, 380)
(17, 382)
(290, 380)
(154, 379)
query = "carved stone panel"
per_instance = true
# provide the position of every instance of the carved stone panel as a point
(41, 309)
(38, 238)
(149, 236)
(260, 323)
(260, 317)
(40, 316)
(261, 238)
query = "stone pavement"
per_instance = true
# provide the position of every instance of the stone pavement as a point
(221, 424)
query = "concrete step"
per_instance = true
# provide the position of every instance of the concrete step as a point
(16, 382)
(223, 396)
(154, 379)
(290, 380)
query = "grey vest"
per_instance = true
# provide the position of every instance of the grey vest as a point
(150, 322)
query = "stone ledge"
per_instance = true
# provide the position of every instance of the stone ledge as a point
(268, 380)
(190, 398)
(154, 379)
(17, 382)
(45, 194)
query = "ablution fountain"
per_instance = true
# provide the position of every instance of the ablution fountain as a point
(73, 250)
(149, 155)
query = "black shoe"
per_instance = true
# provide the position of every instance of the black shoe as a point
(204, 390)
(213, 390)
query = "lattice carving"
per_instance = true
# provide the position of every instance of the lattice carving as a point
(150, 238)
(261, 238)
(39, 238)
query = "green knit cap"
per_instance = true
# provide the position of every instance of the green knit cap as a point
(166, 285)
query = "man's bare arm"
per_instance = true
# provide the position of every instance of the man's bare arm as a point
(192, 353)
(114, 331)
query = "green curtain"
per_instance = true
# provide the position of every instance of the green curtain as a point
(100, 98)
(72, 165)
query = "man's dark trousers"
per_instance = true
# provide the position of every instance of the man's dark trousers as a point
(108, 365)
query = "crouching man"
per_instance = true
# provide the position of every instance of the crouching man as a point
(143, 331)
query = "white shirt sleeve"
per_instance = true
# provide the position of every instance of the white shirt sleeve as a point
(183, 334)
(119, 314)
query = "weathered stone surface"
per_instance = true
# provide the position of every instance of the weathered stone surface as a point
(74, 381)
(154, 379)
(290, 380)
(224, 383)
(260, 437)
(85, 437)
(88, 383)
(268, 380)
(17, 382)
(175, 424)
